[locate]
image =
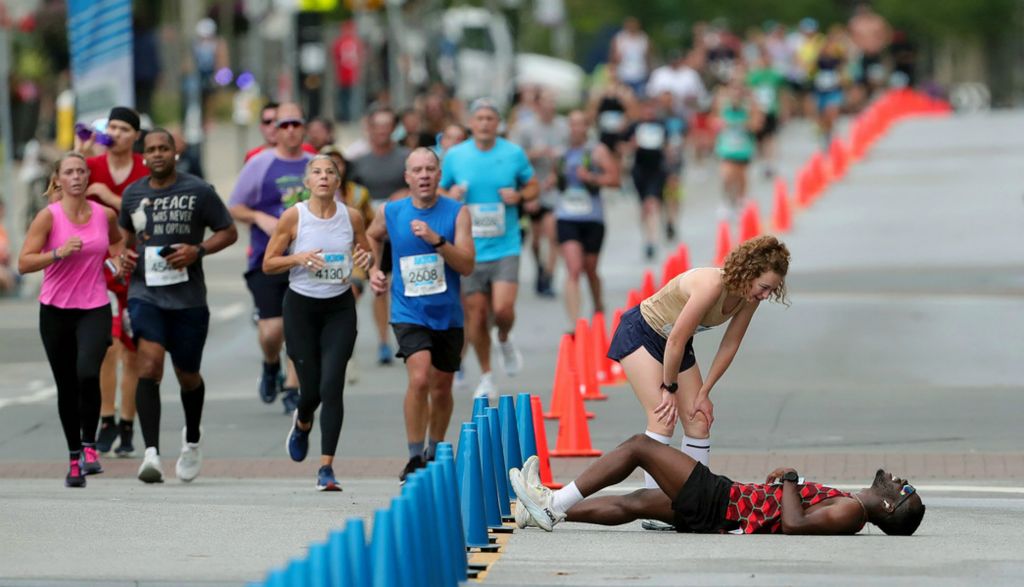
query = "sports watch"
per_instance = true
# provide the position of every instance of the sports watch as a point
(670, 387)
(791, 476)
(440, 243)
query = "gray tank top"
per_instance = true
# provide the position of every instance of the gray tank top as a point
(334, 236)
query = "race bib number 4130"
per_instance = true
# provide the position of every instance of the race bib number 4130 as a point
(337, 269)
(423, 275)
(488, 219)
(159, 272)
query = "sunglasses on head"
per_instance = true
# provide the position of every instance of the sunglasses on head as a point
(905, 492)
(290, 123)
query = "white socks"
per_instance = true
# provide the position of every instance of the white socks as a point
(649, 482)
(699, 449)
(566, 497)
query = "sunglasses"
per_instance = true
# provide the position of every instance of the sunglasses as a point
(290, 123)
(905, 492)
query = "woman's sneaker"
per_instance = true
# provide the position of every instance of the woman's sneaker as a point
(91, 461)
(297, 443)
(76, 477)
(149, 470)
(325, 480)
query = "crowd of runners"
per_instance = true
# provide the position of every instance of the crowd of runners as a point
(428, 214)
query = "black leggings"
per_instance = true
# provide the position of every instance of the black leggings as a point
(320, 335)
(76, 342)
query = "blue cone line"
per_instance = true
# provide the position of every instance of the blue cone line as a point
(297, 574)
(524, 420)
(318, 575)
(479, 405)
(359, 553)
(470, 479)
(500, 470)
(339, 563)
(509, 433)
(449, 481)
(411, 560)
(384, 551)
(491, 497)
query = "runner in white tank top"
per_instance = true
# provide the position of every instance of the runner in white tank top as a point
(331, 235)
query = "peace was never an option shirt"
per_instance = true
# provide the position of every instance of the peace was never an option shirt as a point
(177, 214)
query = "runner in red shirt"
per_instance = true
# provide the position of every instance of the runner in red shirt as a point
(109, 174)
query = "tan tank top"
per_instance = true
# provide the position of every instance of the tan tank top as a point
(661, 310)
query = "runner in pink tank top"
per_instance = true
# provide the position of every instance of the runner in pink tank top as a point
(68, 241)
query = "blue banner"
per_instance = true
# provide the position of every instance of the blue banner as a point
(100, 34)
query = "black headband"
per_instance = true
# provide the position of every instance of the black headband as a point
(125, 115)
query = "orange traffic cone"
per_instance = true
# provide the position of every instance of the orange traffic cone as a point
(683, 255)
(573, 434)
(750, 221)
(647, 289)
(563, 383)
(540, 437)
(586, 369)
(633, 299)
(599, 338)
(724, 244)
(615, 369)
(837, 158)
(782, 219)
(668, 269)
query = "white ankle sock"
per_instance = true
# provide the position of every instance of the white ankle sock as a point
(649, 482)
(566, 497)
(699, 449)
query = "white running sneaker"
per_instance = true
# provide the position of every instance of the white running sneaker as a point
(149, 470)
(510, 357)
(522, 516)
(459, 383)
(191, 459)
(486, 388)
(537, 500)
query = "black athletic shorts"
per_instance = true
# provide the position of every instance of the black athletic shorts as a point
(590, 234)
(649, 182)
(701, 504)
(267, 292)
(634, 332)
(539, 213)
(445, 346)
(181, 332)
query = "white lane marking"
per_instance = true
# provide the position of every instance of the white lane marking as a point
(38, 396)
(938, 488)
(228, 312)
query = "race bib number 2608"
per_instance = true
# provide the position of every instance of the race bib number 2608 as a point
(423, 275)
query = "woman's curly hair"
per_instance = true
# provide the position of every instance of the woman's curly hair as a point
(751, 259)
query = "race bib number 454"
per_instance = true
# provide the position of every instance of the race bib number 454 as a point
(423, 275)
(488, 219)
(159, 272)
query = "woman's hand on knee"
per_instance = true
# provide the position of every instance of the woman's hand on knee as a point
(702, 410)
(667, 411)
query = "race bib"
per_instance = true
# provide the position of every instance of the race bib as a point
(159, 273)
(826, 80)
(611, 121)
(423, 275)
(735, 139)
(336, 271)
(577, 202)
(488, 219)
(765, 96)
(650, 136)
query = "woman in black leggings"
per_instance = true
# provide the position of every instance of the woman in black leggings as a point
(69, 240)
(328, 240)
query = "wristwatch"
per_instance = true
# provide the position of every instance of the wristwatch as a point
(440, 243)
(670, 387)
(200, 251)
(791, 476)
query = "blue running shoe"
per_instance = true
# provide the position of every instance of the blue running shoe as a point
(297, 443)
(325, 480)
(270, 386)
(384, 354)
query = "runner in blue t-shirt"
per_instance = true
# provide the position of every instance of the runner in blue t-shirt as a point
(492, 176)
(430, 248)
(270, 182)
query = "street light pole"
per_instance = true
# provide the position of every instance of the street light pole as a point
(6, 121)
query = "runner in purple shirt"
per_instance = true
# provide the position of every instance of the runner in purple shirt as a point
(268, 184)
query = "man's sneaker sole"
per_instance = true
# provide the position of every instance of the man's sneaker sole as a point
(151, 475)
(328, 487)
(544, 517)
(657, 526)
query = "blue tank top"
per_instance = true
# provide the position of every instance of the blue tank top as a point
(424, 289)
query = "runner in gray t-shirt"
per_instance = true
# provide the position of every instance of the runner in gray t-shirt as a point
(544, 137)
(382, 173)
(164, 218)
